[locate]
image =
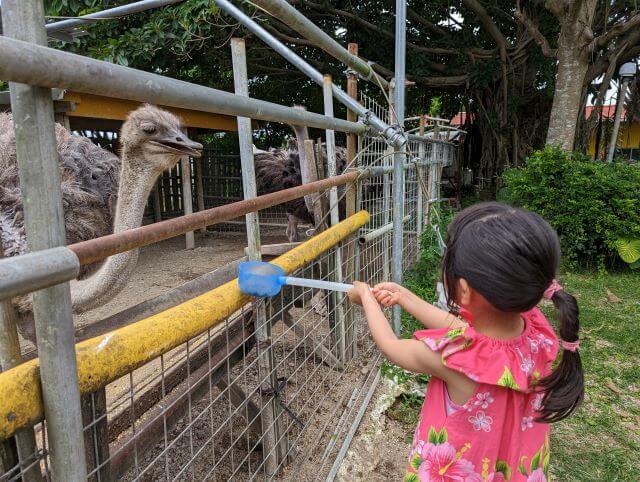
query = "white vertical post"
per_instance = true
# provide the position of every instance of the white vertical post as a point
(273, 442)
(433, 182)
(37, 155)
(327, 91)
(187, 199)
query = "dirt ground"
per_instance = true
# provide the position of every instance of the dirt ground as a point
(212, 442)
(380, 448)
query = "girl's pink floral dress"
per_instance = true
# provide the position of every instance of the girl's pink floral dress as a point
(493, 436)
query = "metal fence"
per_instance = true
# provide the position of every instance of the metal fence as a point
(205, 383)
(198, 412)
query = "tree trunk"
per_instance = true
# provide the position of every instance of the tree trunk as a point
(573, 62)
(572, 68)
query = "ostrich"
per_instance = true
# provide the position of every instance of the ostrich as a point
(279, 169)
(101, 194)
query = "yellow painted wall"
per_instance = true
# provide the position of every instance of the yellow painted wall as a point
(628, 137)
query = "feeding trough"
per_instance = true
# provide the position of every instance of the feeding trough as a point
(262, 279)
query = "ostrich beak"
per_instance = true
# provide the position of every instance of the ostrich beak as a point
(179, 143)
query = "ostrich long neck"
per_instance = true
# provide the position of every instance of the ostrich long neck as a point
(110, 279)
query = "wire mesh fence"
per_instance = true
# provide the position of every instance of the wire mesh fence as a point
(272, 391)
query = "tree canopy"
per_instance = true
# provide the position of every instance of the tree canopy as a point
(497, 60)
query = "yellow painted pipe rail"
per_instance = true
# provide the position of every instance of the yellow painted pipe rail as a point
(106, 358)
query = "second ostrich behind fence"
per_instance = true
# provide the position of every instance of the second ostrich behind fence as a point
(278, 169)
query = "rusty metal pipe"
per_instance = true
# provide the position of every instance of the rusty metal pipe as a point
(97, 249)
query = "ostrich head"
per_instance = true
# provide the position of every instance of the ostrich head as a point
(152, 140)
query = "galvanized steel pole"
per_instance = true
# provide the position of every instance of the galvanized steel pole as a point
(420, 181)
(11, 356)
(283, 11)
(37, 270)
(616, 120)
(399, 156)
(110, 13)
(245, 137)
(36, 65)
(44, 224)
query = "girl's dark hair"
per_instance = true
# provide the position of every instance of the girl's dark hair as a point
(510, 256)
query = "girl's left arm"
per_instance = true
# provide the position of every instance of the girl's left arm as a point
(412, 355)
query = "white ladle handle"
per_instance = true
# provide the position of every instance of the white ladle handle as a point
(318, 284)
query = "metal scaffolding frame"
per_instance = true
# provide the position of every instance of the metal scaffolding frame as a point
(33, 69)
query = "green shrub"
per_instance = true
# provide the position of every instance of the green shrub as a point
(592, 204)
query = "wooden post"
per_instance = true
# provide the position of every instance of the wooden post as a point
(318, 211)
(199, 165)
(349, 252)
(187, 200)
(322, 172)
(307, 171)
(62, 119)
(157, 208)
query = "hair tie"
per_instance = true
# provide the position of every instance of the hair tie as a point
(571, 345)
(553, 288)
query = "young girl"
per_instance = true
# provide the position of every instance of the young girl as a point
(493, 391)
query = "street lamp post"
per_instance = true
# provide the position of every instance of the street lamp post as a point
(627, 72)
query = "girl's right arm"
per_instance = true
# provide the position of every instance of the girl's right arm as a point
(389, 294)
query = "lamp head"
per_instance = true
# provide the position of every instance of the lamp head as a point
(627, 70)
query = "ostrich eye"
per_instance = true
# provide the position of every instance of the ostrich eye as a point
(149, 128)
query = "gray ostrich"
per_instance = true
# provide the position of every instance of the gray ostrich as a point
(278, 169)
(101, 194)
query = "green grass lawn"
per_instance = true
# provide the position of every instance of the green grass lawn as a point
(601, 441)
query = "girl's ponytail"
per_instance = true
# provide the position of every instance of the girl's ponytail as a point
(564, 388)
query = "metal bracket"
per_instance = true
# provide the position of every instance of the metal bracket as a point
(270, 391)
